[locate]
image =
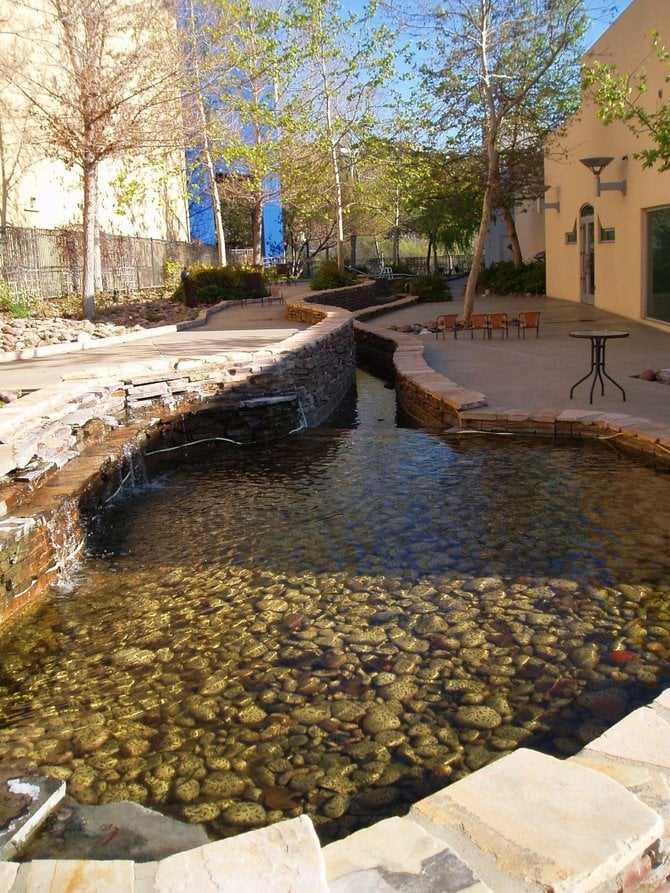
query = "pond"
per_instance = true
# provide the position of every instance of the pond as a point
(341, 623)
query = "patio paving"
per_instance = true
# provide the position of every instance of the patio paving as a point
(537, 373)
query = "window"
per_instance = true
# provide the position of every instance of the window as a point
(607, 234)
(571, 237)
(658, 264)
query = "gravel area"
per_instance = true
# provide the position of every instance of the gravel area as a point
(117, 319)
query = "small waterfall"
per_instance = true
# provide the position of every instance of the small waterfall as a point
(137, 470)
(66, 537)
(132, 471)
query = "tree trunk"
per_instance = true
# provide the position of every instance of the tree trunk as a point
(352, 250)
(428, 253)
(256, 231)
(478, 254)
(90, 199)
(4, 181)
(98, 257)
(513, 236)
(377, 251)
(206, 143)
(339, 206)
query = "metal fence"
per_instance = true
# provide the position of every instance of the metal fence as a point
(48, 263)
(446, 263)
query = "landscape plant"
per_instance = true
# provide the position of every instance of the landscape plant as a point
(505, 278)
(430, 288)
(19, 306)
(330, 275)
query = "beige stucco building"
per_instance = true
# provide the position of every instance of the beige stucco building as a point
(612, 249)
(140, 193)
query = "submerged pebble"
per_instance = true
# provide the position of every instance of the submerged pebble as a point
(398, 639)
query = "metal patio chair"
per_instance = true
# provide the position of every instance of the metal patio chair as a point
(477, 322)
(446, 323)
(499, 321)
(529, 319)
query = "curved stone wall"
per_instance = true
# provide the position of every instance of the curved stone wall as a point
(70, 446)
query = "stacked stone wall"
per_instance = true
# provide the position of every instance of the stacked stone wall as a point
(67, 449)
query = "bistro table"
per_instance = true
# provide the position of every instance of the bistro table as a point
(599, 339)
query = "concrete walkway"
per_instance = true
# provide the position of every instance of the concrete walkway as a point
(532, 374)
(234, 328)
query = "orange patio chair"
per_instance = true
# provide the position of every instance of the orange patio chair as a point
(446, 323)
(499, 321)
(529, 319)
(477, 322)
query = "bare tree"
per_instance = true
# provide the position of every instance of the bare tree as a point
(99, 82)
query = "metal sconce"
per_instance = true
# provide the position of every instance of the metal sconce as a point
(597, 166)
(541, 205)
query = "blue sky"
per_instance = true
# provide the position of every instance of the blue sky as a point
(603, 13)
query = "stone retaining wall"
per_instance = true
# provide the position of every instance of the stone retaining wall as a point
(356, 297)
(68, 448)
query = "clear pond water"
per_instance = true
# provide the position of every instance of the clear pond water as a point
(343, 622)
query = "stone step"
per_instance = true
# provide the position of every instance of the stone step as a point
(636, 754)
(74, 876)
(282, 857)
(529, 822)
(276, 859)
(397, 854)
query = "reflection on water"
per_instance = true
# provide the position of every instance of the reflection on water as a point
(342, 622)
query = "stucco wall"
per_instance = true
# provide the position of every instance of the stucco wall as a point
(620, 276)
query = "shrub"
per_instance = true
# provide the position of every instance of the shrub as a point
(214, 284)
(19, 306)
(430, 289)
(505, 279)
(329, 275)
(171, 272)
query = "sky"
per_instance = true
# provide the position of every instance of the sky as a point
(602, 14)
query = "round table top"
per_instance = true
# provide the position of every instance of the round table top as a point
(599, 333)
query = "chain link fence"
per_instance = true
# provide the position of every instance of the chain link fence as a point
(49, 263)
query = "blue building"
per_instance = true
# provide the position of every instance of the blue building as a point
(201, 212)
(196, 19)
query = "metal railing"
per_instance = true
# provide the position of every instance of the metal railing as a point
(48, 263)
(448, 264)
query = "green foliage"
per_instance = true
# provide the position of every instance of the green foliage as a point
(18, 306)
(620, 98)
(430, 289)
(216, 284)
(506, 279)
(329, 275)
(171, 272)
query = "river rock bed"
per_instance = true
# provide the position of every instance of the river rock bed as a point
(341, 624)
(347, 699)
(129, 314)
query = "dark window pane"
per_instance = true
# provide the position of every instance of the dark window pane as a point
(658, 299)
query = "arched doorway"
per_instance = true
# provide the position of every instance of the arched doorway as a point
(587, 254)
